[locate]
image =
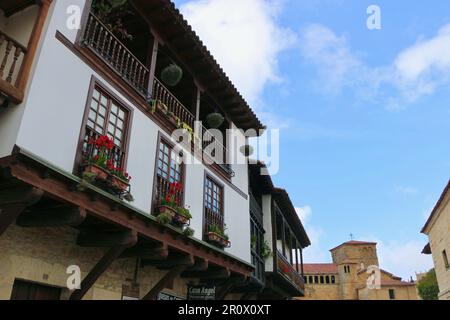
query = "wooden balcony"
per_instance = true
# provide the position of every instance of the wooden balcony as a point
(285, 269)
(12, 57)
(105, 45)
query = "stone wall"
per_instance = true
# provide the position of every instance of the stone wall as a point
(43, 255)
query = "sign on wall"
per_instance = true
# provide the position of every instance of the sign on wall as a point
(201, 292)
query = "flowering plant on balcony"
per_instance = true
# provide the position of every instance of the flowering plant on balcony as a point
(101, 169)
(218, 236)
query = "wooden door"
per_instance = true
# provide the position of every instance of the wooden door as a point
(23, 290)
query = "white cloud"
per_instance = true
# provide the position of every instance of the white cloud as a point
(417, 71)
(245, 41)
(404, 259)
(407, 191)
(314, 253)
(304, 213)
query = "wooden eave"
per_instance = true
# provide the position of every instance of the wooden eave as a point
(11, 7)
(167, 22)
(27, 169)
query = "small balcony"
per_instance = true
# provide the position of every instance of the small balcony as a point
(125, 57)
(285, 269)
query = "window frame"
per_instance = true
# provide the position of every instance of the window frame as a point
(392, 294)
(221, 186)
(163, 139)
(445, 258)
(96, 83)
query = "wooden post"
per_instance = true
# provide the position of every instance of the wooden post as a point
(301, 262)
(168, 278)
(152, 69)
(108, 258)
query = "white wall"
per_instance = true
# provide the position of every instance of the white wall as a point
(52, 121)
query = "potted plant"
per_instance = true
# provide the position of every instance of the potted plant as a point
(266, 252)
(246, 150)
(97, 164)
(215, 120)
(120, 178)
(170, 203)
(172, 75)
(218, 237)
(182, 217)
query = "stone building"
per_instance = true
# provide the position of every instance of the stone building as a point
(437, 229)
(355, 275)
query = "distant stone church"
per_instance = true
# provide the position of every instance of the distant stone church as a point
(355, 274)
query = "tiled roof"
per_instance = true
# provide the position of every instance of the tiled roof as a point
(354, 243)
(396, 283)
(320, 268)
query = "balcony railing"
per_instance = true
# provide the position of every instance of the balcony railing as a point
(288, 271)
(113, 52)
(12, 57)
(162, 190)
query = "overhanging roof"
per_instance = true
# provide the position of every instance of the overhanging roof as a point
(170, 25)
(438, 204)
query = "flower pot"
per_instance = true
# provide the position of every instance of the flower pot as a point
(101, 174)
(180, 220)
(171, 212)
(120, 184)
(217, 240)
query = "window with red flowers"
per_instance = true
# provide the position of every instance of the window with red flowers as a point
(169, 174)
(105, 116)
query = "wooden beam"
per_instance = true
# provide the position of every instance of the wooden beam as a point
(14, 201)
(92, 239)
(229, 285)
(199, 265)
(162, 284)
(156, 252)
(219, 274)
(175, 259)
(52, 217)
(110, 256)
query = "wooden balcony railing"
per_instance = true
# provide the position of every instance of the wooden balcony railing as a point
(12, 57)
(288, 271)
(161, 93)
(113, 52)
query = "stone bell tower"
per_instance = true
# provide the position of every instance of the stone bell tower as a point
(352, 257)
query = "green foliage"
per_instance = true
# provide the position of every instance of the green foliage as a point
(246, 150)
(185, 212)
(189, 232)
(428, 286)
(163, 219)
(217, 230)
(111, 13)
(253, 241)
(215, 120)
(89, 177)
(172, 75)
(266, 252)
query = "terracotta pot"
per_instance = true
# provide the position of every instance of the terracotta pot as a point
(101, 173)
(218, 239)
(120, 184)
(171, 212)
(180, 219)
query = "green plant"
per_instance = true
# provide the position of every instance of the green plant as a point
(266, 252)
(428, 286)
(172, 75)
(246, 150)
(215, 120)
(163, 219)
(253, 241)
(217, 230)
(189, 232)
(185, 212)
(89, 177)
(111, 13)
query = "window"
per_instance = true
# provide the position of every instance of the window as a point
(346, 269)
(333, 280)
(257, 239)
(214, 214)
(327, 279)
(169, 169)
(392, 294)
(444, 256)
(105, 115)
(316, 279)
(322, 280)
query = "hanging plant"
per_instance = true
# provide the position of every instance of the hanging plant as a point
(246, 150)
(172, 75)
(215, 120)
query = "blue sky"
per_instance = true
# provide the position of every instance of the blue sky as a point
(364, 114)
